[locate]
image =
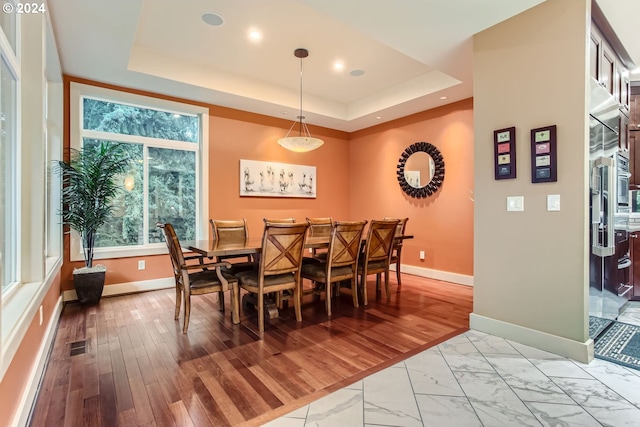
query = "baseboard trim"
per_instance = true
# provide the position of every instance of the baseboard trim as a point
(575, 350)
(460, 279)
(27, 400)
(127, 288)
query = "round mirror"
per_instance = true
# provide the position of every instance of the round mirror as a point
(420, 170)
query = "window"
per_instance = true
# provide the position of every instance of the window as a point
(53, 138)
(9, 25)
(8, 174)
(166, 182)
(29, 231)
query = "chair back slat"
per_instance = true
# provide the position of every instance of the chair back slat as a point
(231, 231)
(280, 220)
(344, 246)
(282, 248)
(380, 240)
(402, 224)
(319, 227)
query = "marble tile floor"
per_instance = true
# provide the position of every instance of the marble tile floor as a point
(630, 313)
(476, 379)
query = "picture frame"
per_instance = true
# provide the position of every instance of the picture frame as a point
(544, 155)
(504, 141)
(272, 179)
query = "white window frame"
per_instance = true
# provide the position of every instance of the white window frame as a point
(19, 305)
(12, 60)
(53, 137)
(78, 92)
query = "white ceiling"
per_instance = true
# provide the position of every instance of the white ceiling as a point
(412, 52)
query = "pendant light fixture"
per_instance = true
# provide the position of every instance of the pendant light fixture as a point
(304, 141)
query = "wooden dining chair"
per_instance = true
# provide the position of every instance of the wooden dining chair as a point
(279, 266)
(319, 227)
(195, 279)
(341, 263)
(229, 230)
(232, 231)
(376, 255)
(397, 245)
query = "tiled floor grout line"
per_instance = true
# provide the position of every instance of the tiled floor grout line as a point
(475, 411)
(413, 390)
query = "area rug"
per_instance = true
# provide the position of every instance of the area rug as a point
(597, 325)
(620, 344)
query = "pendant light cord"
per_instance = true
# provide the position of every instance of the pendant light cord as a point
(300, 116)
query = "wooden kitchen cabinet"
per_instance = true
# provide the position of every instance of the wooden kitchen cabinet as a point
(594, 55)
(634, 109)
(608, 70)
(634, 138)
(624, 91)
(634, 162)
(634, 249)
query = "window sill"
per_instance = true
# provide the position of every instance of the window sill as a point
(124, 252)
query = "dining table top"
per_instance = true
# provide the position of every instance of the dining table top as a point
(212, 248)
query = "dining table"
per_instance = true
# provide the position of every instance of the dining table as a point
(215, 248)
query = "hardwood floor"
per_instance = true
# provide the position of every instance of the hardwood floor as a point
(132, 366)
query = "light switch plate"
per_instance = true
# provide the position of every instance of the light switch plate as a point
(515, 203)
(553, 202)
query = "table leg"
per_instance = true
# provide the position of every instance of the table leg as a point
(235, 303)
(270, 307)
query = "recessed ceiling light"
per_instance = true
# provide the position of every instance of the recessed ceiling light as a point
(443, 97)
(255, 35)
(378, 118)
(356, 73)
(212, 19)
(338, 66)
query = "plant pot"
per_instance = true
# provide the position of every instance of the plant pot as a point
(89, 283)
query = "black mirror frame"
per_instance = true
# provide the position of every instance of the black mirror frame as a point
(438, 174)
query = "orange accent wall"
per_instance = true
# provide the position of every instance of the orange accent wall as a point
(232, 140)
(14, 383)
(356, 180)
(442, 224)
(235, 135)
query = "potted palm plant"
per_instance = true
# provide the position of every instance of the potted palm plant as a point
(90, 183)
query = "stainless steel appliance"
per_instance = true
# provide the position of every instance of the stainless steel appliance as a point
(609, 208)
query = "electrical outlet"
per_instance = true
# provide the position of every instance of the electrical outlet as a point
(141, 265)
(310, 250)
(421, 254)
(41, 316)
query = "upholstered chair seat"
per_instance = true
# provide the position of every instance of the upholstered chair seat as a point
(317, 271)
(250, 279)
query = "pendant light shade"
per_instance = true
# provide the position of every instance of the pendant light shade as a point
(303, 142)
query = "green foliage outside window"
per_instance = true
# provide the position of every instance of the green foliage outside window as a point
(170, 175)
(129, 120)
(172, 195)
